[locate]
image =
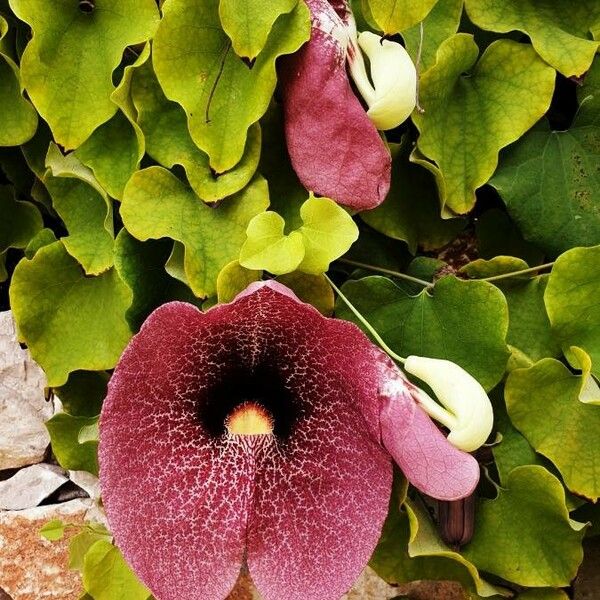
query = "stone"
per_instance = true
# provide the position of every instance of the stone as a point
(23, 405)
(87, 482)
(33, 568)
(30, 486)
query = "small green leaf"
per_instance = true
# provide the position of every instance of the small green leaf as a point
(221, 95)
(267, 247)
(115, 149)
(312, 289)
(572, 302)
(558, 29)
(72, 451)
(468, 119)
(156, 204)
(411, 210)
(168, 141)
(327, 232)
(543, 402)
(68, 320)
(550, 184)
(525, 534)
(53, 530)
(81, 542)
(85, 209)
(19, 119)
(248, 22)
(68, 79)
(462, 321)
(392, 17)
(234, 279)
(106, 575)
(20, 222)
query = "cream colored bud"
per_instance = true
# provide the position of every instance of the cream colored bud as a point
(467, 409)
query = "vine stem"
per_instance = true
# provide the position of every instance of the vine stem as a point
(366, 323)
(420, 109)
(428, 284)
(396, 274)
(521, 272)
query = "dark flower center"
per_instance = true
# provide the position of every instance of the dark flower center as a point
(263, 387)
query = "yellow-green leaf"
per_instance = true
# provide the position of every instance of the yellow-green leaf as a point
(221, 95)
(473, 109)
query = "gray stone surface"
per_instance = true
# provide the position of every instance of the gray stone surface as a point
(30, 486)
(23, 406)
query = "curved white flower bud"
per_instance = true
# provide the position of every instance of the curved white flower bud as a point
(469, 414)
(393, 94)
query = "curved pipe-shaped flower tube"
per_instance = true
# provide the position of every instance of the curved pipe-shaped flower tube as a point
(470, 416)
(393, 95)
(260, 433)
(334, 147)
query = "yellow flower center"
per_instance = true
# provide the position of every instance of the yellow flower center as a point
(249, 418)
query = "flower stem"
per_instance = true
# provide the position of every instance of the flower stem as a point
(366, 323)
(396, 274)
(521, 272)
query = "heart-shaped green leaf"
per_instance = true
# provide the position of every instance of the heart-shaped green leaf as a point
(462, 321)
(525, 535)
(469, 118)
(268, 248)
(558, 29)
(221, 95)
(68, 64)
(68, 320)
(544, 402)
(168, 141)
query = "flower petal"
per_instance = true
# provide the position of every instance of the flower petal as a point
(186, 506)
(160, 471)
(334, 148)
(428, 460)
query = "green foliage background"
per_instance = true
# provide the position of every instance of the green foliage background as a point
(142, 160)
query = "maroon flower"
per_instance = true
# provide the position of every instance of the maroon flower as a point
(334, 147)
(260, 433)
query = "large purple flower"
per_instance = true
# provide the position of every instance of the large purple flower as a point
(260, 433)
(334, 147)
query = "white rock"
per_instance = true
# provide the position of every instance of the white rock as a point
(30, 486)
(87, 482)
(23, 405)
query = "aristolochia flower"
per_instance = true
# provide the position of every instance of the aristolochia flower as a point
(260, 434)
(334, 147)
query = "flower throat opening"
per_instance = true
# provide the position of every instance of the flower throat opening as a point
(250, 402)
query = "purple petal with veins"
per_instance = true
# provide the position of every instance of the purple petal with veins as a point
(260, 434)
(334, 148)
